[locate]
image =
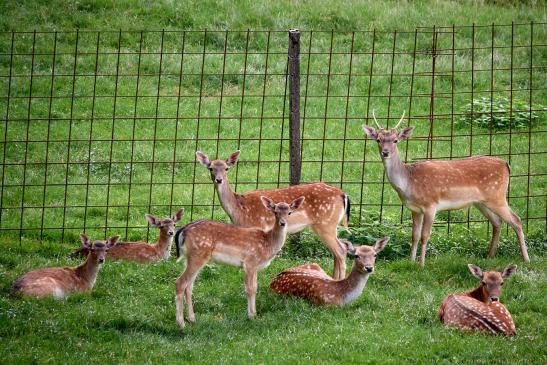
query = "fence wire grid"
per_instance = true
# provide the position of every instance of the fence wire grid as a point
(101, 127)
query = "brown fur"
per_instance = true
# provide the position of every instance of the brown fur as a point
(323, 210)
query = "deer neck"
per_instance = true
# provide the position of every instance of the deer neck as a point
(87, 271)
(354, 284)
(397, 173)
(479, 294)
(276, 237)
(164, 244)
(228, 199)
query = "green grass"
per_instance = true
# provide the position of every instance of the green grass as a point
(130, 315)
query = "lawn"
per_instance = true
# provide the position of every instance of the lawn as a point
(99, 128)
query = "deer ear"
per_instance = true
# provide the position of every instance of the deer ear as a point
(232, 160)
(381, 244)
(348, 246)
(405, 133)
(178, 215)
(297, 203)
(268, 203)
(86, 242)
(476, 271)
(370, 132)
(153, 221)
(509, 270)
(111, 242)
(203, 159)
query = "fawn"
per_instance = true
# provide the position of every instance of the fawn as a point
(250, 248)
(325, 207)
(310, 282)
(61, 281)
(428, 187)
(480, 308)
(143, 252)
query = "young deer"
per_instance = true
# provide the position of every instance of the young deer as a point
(251, 248)
(143, 252)
(325, 207)
(480, 309)
(61, 281)
(428, 187)
(312, 283)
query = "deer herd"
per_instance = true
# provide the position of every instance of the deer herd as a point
(262, 219)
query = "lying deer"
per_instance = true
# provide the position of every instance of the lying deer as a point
(61, 281)
(143, 252)
(428, 187)
(251, 248)
(325, 207)
(480, 309)
(312, 283)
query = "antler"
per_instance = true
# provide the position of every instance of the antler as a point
(400, 120)
(375, 121)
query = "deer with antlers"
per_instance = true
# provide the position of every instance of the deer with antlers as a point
(58, 282)
(250, 248)
(142, 252)
(323, 210)
(428, 187)
(480, 309)
(310, 282)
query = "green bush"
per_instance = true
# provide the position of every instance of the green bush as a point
(496, 114)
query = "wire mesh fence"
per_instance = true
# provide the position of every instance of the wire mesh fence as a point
(101, 127)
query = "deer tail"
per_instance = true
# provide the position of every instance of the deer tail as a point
(347, 208)
(179, 241)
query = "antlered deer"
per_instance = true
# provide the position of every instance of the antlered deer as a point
(428, 187)
(143, 252)
(480, 309)
(61, 281)
(325, 207)
(310, 282)
(251, 248)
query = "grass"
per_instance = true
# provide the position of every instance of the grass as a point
(130, 315)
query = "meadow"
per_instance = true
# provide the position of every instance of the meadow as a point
(101, 125)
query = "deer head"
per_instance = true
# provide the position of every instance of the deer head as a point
(98, 249)
(282, 210)
(387, 139)
(365, 256)
(491, 281)
(166, 225)
(218, 168)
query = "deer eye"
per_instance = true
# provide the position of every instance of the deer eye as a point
(211, 169)
(395, 141)
(501, 283)
(290, 213)
(227, 168)
(483, 283)
(377, 139)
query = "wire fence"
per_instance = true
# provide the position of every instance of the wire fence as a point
(101, 127)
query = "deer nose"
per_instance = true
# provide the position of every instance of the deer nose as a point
(494, 299)
(218, 181)
(369, 268)
(282, 223)
(171, 233)
(385, 153)
(101, 260)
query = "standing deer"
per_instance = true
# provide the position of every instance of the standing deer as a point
(428, 187)
(250, 248)
(143, 252)
(325, 207)
(61, 281)
(310, 282)
(480, 309)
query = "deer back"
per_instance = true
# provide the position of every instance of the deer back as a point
(56, 282)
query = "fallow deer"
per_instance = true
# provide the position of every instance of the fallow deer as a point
(428, 187)
(480, 309)
(325, 207)
(61, 281)
(310, 282)
(143, 252)
(250, 248)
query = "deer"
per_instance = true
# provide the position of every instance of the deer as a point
(59, 282)
(142, 252)
(325, 207)
(310, 282)
(431, 186)
(480, 309)
(250, 248)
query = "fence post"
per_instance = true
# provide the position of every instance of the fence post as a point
(294, 106)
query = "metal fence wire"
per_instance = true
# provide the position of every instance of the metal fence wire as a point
(100, 127)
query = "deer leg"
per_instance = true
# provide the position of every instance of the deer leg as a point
(505, 213)
(327, 234)
(496, 227)
(187, 277)
(251, 287)
(188, 292)
(417, 221)
(429, 216)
